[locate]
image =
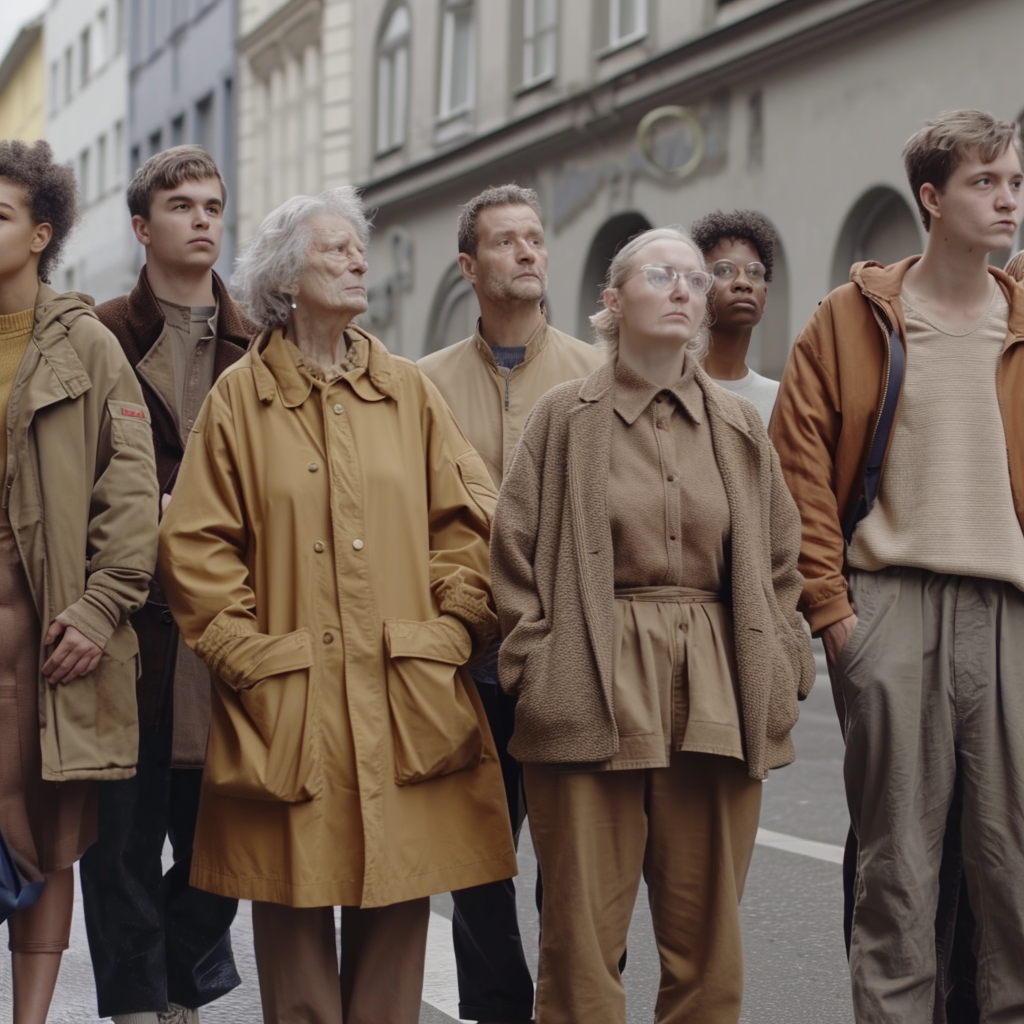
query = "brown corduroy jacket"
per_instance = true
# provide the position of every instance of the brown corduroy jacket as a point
(137, 321)
(827, 412)
(552, 571)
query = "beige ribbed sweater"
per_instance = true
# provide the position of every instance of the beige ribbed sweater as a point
(945, 502)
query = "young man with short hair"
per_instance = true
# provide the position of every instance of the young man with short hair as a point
(491, 382)
(900, 428)
(160, 948)
(739, 249)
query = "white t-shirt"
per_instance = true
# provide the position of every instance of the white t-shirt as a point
(757, 389)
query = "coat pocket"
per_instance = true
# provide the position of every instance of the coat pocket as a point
(263, 736)
(434, 725)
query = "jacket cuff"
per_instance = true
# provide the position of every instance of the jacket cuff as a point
(827, 612)
(92, 617)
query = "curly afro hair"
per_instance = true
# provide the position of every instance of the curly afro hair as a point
(748, 225)
(50, 190)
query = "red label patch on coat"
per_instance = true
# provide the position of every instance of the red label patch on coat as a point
(137, 413)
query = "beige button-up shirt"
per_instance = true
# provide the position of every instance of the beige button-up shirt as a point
(490, 403)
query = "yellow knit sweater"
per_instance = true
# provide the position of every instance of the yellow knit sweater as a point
(15, 331)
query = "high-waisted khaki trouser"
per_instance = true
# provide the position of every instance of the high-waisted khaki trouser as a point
(933, 682)
(382, 955)
(689, 828)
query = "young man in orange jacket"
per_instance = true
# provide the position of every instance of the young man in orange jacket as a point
(901, 433)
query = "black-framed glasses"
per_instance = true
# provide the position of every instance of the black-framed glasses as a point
(664, 277)
(726, 271)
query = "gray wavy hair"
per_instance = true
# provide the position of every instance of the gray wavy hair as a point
(275, 258)
(624, 263)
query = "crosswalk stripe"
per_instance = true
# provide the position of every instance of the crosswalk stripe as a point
(804, 847)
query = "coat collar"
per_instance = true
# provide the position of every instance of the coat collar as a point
(146, 318)
(884, 284)
(534, 345)
(276, 372)
(55, 313)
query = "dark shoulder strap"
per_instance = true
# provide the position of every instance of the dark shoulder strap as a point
(883, 431)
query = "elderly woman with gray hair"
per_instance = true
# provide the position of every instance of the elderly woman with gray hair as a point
(326, 555)
(644, 564)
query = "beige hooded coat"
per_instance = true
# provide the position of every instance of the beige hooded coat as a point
(80, 491)
(325, 553)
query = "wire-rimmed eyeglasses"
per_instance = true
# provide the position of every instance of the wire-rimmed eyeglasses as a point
(664, 277)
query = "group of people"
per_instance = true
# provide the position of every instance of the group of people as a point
(333, 622)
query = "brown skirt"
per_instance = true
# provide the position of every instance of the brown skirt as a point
(48, 825)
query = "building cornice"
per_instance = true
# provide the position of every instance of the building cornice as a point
(278, 26)
(760, 42)
(29, 35)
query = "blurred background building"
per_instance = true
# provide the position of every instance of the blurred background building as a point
(798, 108)
(296, 104)
(23, 85)
(621, 113)
(181, 88)
(86, 110)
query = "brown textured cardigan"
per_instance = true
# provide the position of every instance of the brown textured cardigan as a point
(137, 321)
(553, 578)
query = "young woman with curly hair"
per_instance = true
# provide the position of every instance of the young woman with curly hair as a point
(77, 547)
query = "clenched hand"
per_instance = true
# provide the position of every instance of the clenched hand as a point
(76, 655)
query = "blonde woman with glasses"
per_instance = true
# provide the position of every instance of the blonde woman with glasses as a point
(644, 566)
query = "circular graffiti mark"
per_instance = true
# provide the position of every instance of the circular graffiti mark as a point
(660, 133)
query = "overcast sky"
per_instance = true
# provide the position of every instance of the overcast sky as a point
(14, 14)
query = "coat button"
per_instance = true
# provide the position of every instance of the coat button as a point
(313, 467)
(328, 638)
(338, 409)
(670, 478)
(319, 546)
(357, 544)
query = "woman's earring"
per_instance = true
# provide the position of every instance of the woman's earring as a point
(293, 304)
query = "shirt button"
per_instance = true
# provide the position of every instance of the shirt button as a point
(357, 544)
(319, 546)
(328, 638)
(338, 409)
(312, 467)
(671, 536)
(670, 478)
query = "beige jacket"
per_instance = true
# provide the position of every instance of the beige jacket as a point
(553, 573)
(325, 552)
(81, 493)
(492, 404)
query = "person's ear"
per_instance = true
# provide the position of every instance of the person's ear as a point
(467, 264)
(140, 226)
(610, 298)
(41, 238)
(931, 200)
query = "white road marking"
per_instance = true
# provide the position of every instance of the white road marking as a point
(804, 847)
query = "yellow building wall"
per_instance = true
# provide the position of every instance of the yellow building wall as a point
(23, 99)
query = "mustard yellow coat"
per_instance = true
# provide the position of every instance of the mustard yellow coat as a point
(325, 552)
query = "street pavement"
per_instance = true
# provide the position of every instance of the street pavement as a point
(792, 912)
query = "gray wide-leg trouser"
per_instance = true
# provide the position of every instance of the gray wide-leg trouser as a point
(933, 682)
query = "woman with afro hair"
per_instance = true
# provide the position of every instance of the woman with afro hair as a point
(78, 524)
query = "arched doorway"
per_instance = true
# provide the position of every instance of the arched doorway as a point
(609, 238)
(453, 313)
(881, 226)
(771, 338)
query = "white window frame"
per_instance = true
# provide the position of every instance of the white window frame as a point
(393, 59)
(447, 110)
(531, 35)
(638, 31)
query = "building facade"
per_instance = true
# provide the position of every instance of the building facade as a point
(87, 106)
(23, 85)
(629, 113)
(181, 88)
(295, 102)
